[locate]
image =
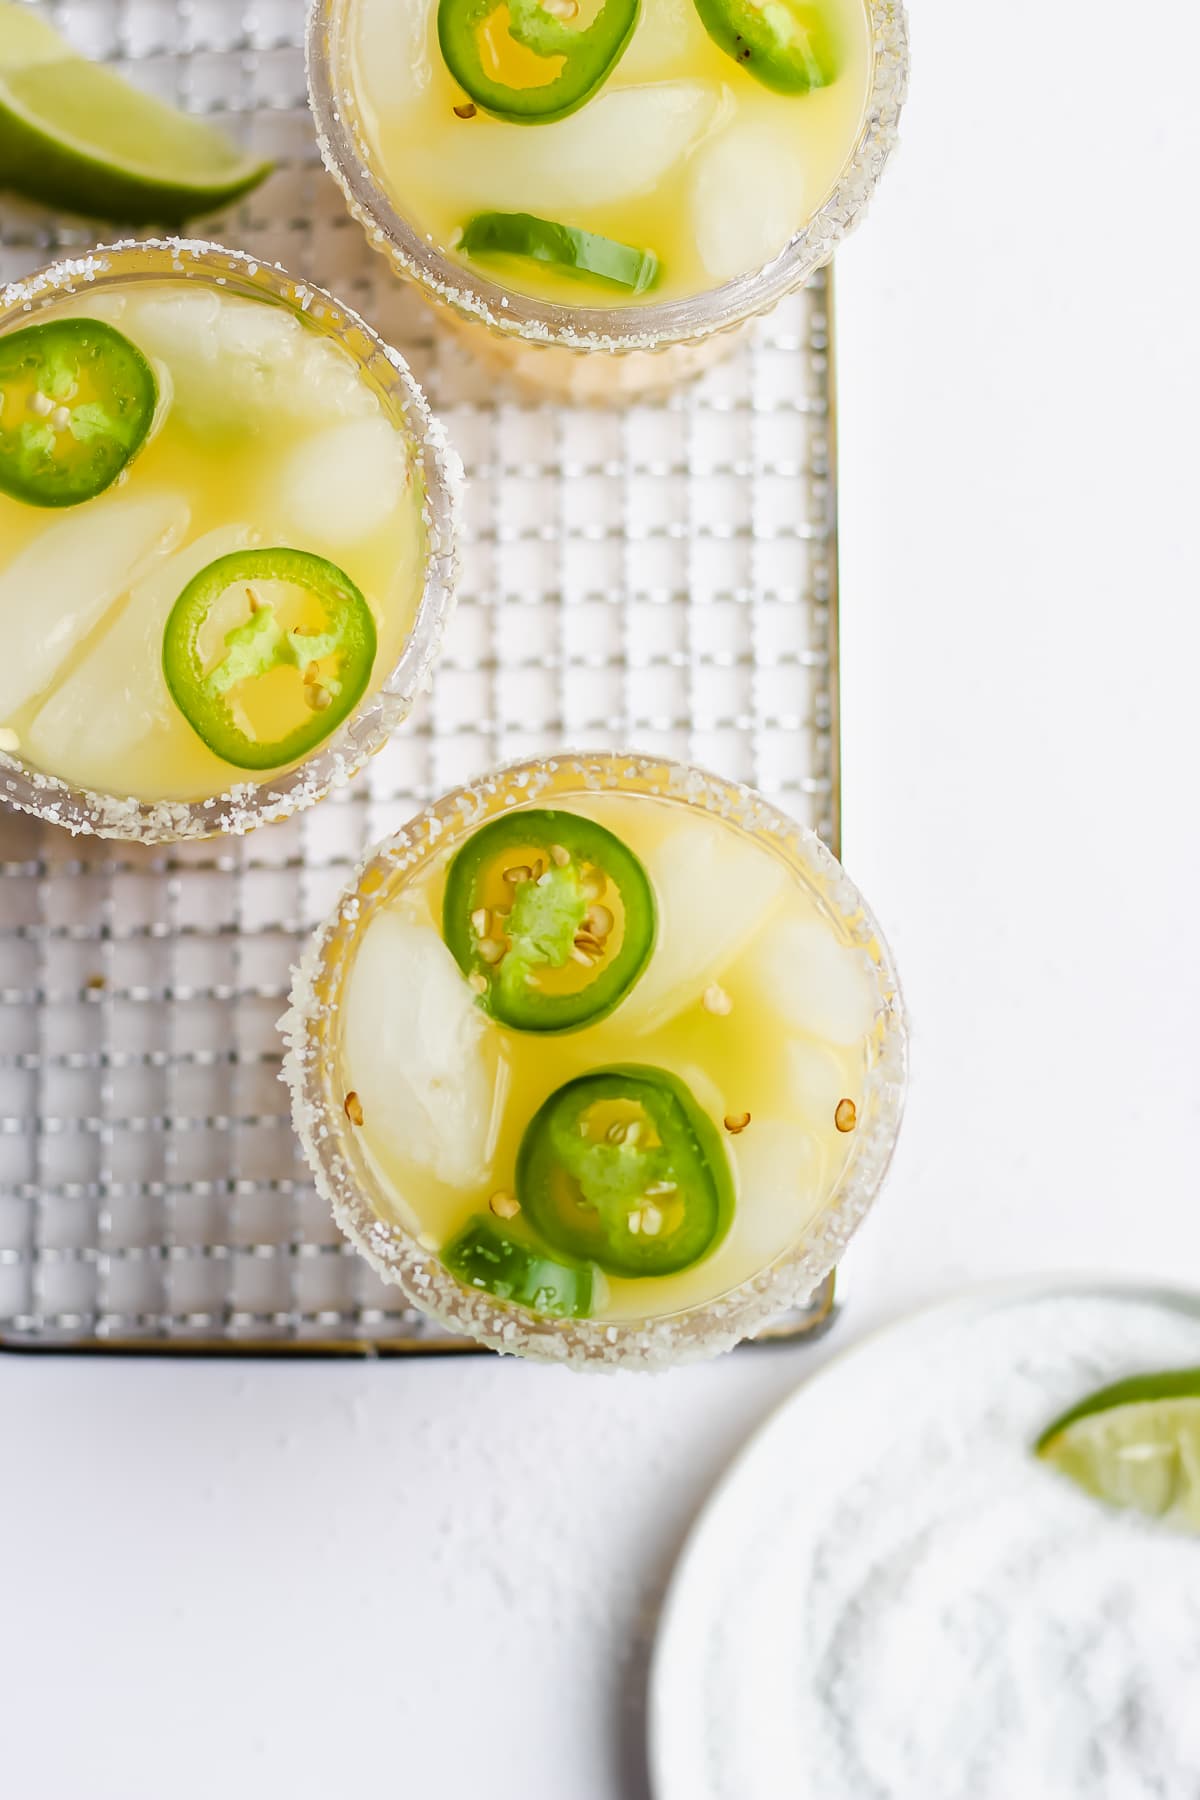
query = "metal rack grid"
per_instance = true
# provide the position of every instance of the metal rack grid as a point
(662, 575)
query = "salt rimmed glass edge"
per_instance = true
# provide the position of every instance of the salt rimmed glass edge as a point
(344, 1179)
(248, 804)
(617, 329)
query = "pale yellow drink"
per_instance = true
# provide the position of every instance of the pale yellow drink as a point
(755, 996)
(268, 434)
(680, 152)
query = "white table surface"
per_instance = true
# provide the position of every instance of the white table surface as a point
(441, 1579)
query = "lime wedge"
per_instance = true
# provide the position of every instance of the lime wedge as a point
(75, 135)
(1135, 1445)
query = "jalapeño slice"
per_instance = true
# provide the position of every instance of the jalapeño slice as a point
(520, 61)
(77, 401)
(258, 694)
(784, 44)
(485, 1256)
(551, 916)
(564, 246)
(621, 1166)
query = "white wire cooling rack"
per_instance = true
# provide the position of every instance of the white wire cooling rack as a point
(663, 575)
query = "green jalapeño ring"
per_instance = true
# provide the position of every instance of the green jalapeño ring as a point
(501, 240)
(600, 1059)
(184, 437)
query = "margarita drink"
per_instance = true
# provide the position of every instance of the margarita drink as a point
(213, 534)
(597, 173)
(606, 1057)
(682, 154)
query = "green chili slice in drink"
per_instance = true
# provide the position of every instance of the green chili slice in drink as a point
(551, 916)
(565, 247)
(521, 61)
(259, 693)
(505, 1265)
(621, 1166)
(77, 401)
(785, 44)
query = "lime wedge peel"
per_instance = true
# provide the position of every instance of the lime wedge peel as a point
(1135, 1445)
(75, 135)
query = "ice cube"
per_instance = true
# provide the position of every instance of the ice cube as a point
(813, 982)
(106, 305)
(255, 334)
(391, 53)
(236, 362)
(747, 192)
(259, 364)
(203, 329)
(715, 890)
(116, 696)
(328, 385)
(283, 369)
(181, 328)
(418, 1052)
(621, 144)
(340, 485)
(780, 1170)
(667, 36)
(818, 1079)
(58, 588)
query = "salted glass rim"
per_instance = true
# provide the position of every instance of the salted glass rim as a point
(619, 328)
(346, 1179)
(247, 804)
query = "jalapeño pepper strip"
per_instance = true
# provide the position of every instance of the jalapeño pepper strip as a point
(577, 59)
(784, 44)
(622, 1166)
(485, 1256)
(564, 246)
(77, 401)
(205, 694)
(529, 915)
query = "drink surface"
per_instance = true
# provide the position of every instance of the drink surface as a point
(680, 152)
(266, 435)
(751, 998)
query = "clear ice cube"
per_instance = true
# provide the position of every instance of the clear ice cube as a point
(818, 1079)
(813, 983)
(331, 387)
(235, 362)
(622, 144)
(747, 194)
(417, 1052)
(715, 891)
(392, 53)
(115, 697)
(58, 588)
(180, 330)
(667, 36)
(780, 1183)
(258, 335)
(340, 485)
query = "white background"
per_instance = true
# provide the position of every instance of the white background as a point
(441, 1579)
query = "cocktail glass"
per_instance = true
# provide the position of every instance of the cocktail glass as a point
(594, 353)
(352, 1185)
(198, 265)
